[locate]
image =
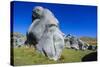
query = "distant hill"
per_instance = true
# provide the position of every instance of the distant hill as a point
(90, 40)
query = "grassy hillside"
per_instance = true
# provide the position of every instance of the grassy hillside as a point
(28, 56)
(90, 40)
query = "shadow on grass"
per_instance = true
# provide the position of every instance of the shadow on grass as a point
(90, 57)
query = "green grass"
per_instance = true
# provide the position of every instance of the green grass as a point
(29, 56)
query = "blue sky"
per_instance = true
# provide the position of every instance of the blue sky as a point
(77, 20)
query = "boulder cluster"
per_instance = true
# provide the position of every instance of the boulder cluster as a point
(18, 39)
